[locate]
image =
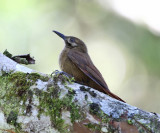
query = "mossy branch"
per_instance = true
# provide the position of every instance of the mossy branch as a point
(35, 102)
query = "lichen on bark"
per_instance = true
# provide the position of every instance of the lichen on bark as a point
(18, 90)
(32, 102)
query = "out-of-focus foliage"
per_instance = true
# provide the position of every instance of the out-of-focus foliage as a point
(127, 54)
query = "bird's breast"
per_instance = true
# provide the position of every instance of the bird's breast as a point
(70, 67)
(64, 61)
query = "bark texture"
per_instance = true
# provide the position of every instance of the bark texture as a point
(33, 102)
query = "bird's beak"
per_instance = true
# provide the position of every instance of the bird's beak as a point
(60, 35)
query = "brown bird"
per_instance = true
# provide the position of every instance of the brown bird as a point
(75, 61)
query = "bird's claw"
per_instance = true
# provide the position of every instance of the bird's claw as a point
(56, 72)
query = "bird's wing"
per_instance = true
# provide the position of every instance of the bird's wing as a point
(84, 63)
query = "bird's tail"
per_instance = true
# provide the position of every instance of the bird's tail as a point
(114, 96)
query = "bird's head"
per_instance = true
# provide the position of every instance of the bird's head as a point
(73, 42)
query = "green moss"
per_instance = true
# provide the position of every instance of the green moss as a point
(22, 83)
(54, 107)
(72, 107)
(16, 93)
(62, 77)
(94, 127)
(20, 60)
(51, 105)
(35, 76)
(6, 53)
(104, 117)
(12, 119)
(67, 79)
(130, 122)
(9, 103)
(23, 61)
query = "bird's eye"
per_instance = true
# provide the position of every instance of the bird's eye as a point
(71, 40)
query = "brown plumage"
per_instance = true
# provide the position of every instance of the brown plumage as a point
(75, 61)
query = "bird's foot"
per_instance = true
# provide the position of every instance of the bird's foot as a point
(56, 72)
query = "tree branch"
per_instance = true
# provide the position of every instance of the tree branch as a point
(35, 102)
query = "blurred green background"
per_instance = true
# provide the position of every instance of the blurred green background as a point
(126, 53)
